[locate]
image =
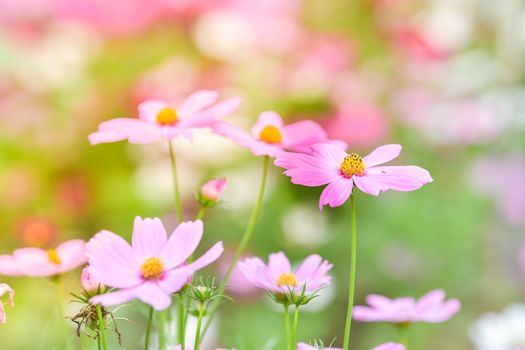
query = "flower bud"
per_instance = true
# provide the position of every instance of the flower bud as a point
(89, 284)
(211, 191)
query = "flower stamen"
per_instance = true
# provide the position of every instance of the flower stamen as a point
(152, 269)
(352, 165)
(52, 256)
(271, 134)
(287, 279)
(167, 116)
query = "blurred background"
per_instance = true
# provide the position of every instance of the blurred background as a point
(444, 78)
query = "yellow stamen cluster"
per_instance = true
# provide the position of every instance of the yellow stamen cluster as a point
(352, 165)
(152, 269)
(287, 279)
(52, 256)
(271, 134)
(167, 116)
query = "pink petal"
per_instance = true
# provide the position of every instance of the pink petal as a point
(4, 288)
(35, 262)
(249, 266)
(196, 102)
(210, 116)
(307, 170)
(410, 171)
(331, 153)
(134, 130)
(207, 258)
(261, 148)
(336, 193)
(116, 298)
(235, 134)
(278, 264)
(308, 267)
(149, 237)
(174, 280)
(72, 254)
(302, 134)
(382, 154)
(149, 109)
(3, 317)
(390, 346)
(268, 118)
(9, 266)
(182, 243)
(150, 293)
(370, 185)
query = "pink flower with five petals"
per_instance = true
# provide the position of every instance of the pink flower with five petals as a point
(329, 164)
(431, 308)
(153, 267)
(158, 120)
(4, 288)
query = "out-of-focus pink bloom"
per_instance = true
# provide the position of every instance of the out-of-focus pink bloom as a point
(304, 346)
(278, 276)
(90, 284)
(37, 262)
(36, 231)
(4, 288)
(212, 189)
(361, 124)
(269, 136)
(329, 164)
(159, 120)
(151, 269)
(189, 347)
(415, 45)
(431, 308)
(73, 193)
(239, 284)
(390, 346)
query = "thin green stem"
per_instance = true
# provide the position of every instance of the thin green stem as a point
(244, 240)
(60, 296)
(102, 329)
(182, 322)
(403, 334)
(162, 329)
(176, 192)
(148, 328)
(353, 261)
(287, 327)
(197, 344)
(201, 212)
(99, 344)
(294, 329)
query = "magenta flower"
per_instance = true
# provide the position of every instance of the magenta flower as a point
(158, 120)
(390, 346)
(431, 308)
(212, 189)
(278, 276)
(304, 346)
(4, 288)
(269, 136)
(37, 262)
(329, 164)
(153, 267)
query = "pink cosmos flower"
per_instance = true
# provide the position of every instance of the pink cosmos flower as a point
(159, 120)
(37, 262)
(89, 283)
(329, 164)
(212, 189)
(152, 268)
(4, 288)
(269, 136)
(278, 276)
(431, 308)
(390, 346)
(304, 346)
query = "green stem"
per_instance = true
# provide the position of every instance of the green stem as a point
(197, 344)
(287, 327)
(294, 329)
(176, 192)
(60, 297)
(148, 328)
(102, 329)
(99, 345)
(353, 261)
(182, 323)
(200, 214)
(403, 335)
(162, 329)
(244, 240)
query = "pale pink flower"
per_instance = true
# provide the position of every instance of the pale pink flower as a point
(37, 262)
(152, 268)
(390, 346)
(4, 288)
(329, 164)
(277, 276)
(158, 120)
(90, 284)
(212, 189)
(269, 136)
(431, 308)
(304, 346)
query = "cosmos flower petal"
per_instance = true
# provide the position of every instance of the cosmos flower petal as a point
(336, 193)
(235, 134)
(115, 298)
(149, 237)
(4, 288)
(407, 171)
(206, 259)
(35, 262)
(331, 153)
(152, 294)
(390, 346)
(302, 134)
(149, 109)
(72, 254)
(210, 116)
(382, 155)
(196, 102)
(370, 185)
(278, 264)
(174, 280)
(182, 243)
(9, 266)
(268, 118)
(134, 130)
(308, 267)
(307, 170)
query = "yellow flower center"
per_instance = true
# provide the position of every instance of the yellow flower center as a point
(352, 165)
(271, 134)
(287, 279)
(167, 116)
(53, 256)
(152, 269)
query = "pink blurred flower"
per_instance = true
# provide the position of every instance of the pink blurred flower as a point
(269, 136)
(431, 308)
(90, 285)
(4, 288)
(37, 262)
(278, 276)
(328, 164)
(151, 268)
(390, 346)
(304, 346)
(212, 189)
(36, 231)
(239, 285)
(158, 120)
(413, 43)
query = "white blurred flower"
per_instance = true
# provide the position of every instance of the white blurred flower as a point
(500, 331)
(305, 225)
